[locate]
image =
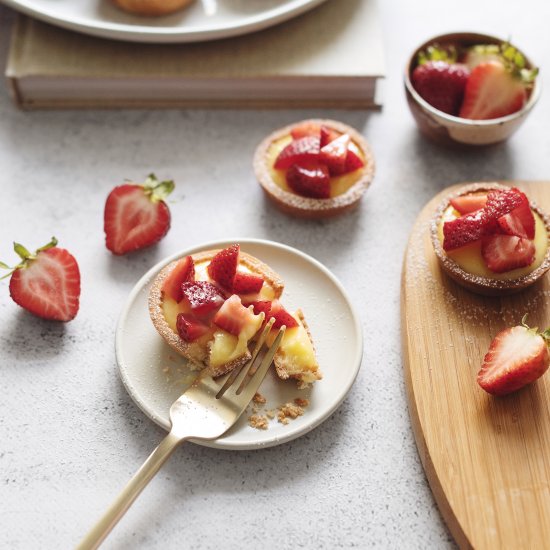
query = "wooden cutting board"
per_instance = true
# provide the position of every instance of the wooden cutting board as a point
(487, 459)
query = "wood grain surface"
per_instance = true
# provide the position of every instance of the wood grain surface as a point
(487, 459)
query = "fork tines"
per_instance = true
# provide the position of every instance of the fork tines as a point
(243, 375)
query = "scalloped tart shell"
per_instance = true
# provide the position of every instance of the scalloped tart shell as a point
(476, 283)
(305, 207)
(151, 7)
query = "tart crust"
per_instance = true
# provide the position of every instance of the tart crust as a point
(151, 7)
(478, 283)
(198, 354)
(306, 207)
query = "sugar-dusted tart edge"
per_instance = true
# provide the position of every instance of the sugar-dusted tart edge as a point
(151, 8)
(478, 283)
(279, 361)
(192, 351)
(306, 207)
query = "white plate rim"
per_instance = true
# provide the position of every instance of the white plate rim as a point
(157, 34)
(291, 432)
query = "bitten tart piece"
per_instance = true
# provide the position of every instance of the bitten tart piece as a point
(314, 168)
(151, 7)
(210, 306)
(491, 239)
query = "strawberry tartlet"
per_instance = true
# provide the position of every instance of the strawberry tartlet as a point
(314, 168)
(491, 239)
(210, 307)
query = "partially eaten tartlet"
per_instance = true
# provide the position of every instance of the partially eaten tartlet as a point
(314, 168)
(491, 239)
(210, 306)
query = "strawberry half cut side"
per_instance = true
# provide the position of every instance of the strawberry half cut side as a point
(247, 283)
(334, 154)
(46, 283)
(223, 266)
(136, 216)
(328, 134)
(503, 253)
(466, 204)
(183, 272)
(301, 150)
(519, 222)
(517, 356)
(233, 316)
(189, 328)
(281, 316)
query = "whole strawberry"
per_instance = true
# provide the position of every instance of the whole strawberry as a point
(441, 84)
(46, 283)
(517, 356)
(136, 215)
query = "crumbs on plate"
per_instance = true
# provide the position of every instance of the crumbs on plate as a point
(259, 419)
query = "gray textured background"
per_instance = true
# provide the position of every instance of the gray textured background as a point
(70, 436)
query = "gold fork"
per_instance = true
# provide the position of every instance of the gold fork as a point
(204, 411)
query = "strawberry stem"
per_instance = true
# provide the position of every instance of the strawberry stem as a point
(435, 52)
(158, 191)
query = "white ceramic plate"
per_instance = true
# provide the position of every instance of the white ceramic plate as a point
(202, 20)
(155, 376)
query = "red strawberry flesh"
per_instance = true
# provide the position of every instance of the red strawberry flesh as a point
(223, 266)
(247, 283)
(183, 271)
(353, 162)
(233, 316)
(334, 154)
(519, 222)
(262, 305)
(328, 135)
(309, 181)
(517, 356)
(203, 297)
(301, 150)
(306, 128)
(503, 253)
(189, 328)
(466, 204)
(281, 316)
(49, 285)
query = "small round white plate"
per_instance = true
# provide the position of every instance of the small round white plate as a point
(202, 20)
(155, 376)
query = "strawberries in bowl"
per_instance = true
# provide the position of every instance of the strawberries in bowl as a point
(470, 88)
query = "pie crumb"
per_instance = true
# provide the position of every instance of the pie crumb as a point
(291, 410)
(259, 398)
(301, 402)
(258, 421)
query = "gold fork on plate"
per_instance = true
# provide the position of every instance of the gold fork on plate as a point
(206, 410)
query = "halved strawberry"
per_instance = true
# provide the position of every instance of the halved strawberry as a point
(328, 135)
(183, 271)
(334, 154)
(310, 181)
(517, 356)
(190, 328)
(247, 283)
(464, 230)
(492, 91)
(203, 297)
(136, 216)
(500, 203)
(306, 128)
(223, 266)
(301, 150)
(519, 222)
(503, 253)
(46, 283)
(233, 316)
(353, 162)
(281, 315)
(465, 204)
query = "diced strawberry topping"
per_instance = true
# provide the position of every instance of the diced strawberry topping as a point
(353, 162)
(306, 128)
(281, 315)
(503, 253)
(247, 283)
(328, 135)
(467, 204)
(301, 150)
(233, 316)
(223, 266)
(502, 202)
(519, 222)
(311, 181)
(190, 328)
(334, 154)
(182, 272)
(203, 297)
(463, 230)
(262, 305)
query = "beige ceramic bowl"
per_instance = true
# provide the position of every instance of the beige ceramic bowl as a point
(444, 128)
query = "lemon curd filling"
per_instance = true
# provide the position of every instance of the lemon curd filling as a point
(338, 184)
(469, 257)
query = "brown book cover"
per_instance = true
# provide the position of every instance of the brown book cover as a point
(329, 57)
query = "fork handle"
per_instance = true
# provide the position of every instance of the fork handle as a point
(141, 478)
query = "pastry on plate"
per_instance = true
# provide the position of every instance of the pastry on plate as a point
(314, 168)
(151, 7)
(210, 306)
(491, 239)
